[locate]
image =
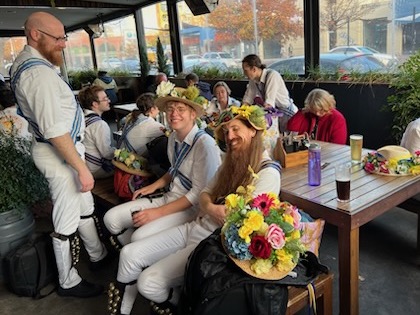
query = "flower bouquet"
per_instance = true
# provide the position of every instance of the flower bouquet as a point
(394, 166)
(130, 162)
(262, 235)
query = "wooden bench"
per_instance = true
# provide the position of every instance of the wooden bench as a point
(299, 297)
(413, 205)
(104, 193)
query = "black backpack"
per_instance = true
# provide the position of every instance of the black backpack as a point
(31, 268)
(213, 284)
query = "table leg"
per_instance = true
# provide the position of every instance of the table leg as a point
(348, 264)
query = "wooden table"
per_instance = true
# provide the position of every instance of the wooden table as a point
(370, 196)
(123, 110)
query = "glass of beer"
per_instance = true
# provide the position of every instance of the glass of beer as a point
(342, 180)
(356, 143)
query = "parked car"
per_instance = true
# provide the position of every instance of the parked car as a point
(111, 63)
(193, 60)
(331, 63)
(132, 65)
(221, 57)
(388, 60)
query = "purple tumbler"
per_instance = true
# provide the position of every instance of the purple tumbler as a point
(314, 164)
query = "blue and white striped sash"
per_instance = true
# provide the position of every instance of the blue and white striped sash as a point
(178, 159)
(127, 128)
(78, 118)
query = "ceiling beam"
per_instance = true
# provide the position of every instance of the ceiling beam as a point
(62, 4)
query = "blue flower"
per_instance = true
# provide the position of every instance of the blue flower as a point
(235, 245)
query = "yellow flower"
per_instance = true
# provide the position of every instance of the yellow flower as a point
(295, 235)
(288, 218)
(231, 201)
(415, 170)
(263, 229)
(392, 163)
(254, 220)
(284, 260)
(244, 232)
(261, 266)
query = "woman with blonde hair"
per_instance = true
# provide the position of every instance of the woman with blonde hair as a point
(320, 119)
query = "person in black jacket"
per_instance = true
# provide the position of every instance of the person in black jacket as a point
(204, 87)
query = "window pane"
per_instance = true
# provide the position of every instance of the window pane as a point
(156, 25)
(388, 30)
(78, 54)
(9, 49)
(117, 48)
(236, 28)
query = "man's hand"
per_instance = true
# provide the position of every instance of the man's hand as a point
(145, 216)
(86, 181)
(144, 191)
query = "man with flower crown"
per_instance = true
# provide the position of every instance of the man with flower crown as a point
(245, 164)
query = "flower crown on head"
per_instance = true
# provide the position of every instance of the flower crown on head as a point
(253, 113)
(191, 93)
(262, 235)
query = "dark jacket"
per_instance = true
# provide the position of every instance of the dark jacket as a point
(205, 90)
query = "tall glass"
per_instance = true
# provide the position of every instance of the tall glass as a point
(356, 144)
(342, 180)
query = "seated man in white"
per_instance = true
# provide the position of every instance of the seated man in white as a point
(194, 158)
(99, 151)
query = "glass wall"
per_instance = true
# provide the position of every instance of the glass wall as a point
(236, 28)
(9, 49)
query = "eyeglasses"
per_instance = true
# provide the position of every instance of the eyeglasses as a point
(180, 109)
(106, 99)
(57, 39)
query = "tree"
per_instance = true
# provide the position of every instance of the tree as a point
(144, 62)
(276, 20)
(337, 13)
(162, 61)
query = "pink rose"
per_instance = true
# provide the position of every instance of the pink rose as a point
(369, 167)
(294, 213)
(275, 236)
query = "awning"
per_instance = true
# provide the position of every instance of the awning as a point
(408, 19)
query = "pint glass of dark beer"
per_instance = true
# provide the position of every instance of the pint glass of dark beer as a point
(342, 180)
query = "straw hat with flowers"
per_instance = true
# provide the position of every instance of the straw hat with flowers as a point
(167, 92)
(392, 160)
(262, 235)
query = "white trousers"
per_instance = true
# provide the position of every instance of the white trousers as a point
(166, 254)
(119, 218)
(69, 205)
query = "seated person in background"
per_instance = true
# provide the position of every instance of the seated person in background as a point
(10, 120)
(194, 158)
(320, 119)
(166, 254)
(108, 84)
(140, 126)
(221, 101)
(160, 77)
(411, 137)
(204, 87)
(97, 140)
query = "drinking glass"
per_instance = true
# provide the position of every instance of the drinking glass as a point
(356, 144)
(342, 180)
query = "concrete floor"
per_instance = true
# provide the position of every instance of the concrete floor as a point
(389, 274)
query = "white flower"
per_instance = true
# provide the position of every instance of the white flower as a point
(164, 89)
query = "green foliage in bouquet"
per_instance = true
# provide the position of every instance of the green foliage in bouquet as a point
(21, 183)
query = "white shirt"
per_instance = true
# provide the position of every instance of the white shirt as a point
(411, 137)
(214, 105)
(143, 133)
(268, 181)
(97, 141)
(198, 166)
(45, 98)
(272, 89)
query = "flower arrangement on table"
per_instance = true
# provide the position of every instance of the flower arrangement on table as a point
(130, 162)
(262, 235)
(373, 163)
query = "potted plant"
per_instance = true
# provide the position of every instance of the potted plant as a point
(405, 102)
(22, 185)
